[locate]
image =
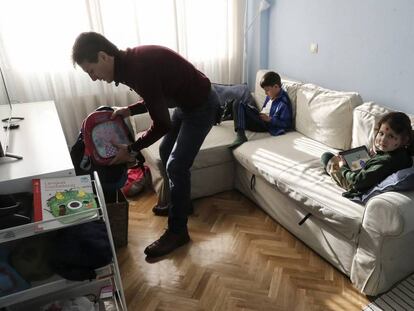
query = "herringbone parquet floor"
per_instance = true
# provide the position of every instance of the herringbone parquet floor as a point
(239, 259)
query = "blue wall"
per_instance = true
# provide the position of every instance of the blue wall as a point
(364, 46)
(257, 40)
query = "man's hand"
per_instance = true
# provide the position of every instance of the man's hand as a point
(123, 112)
(122, 156)
(264, 117)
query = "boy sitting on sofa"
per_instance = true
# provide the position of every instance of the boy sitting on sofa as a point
(275, 116)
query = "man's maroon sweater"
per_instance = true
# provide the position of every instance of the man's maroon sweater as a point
(164, 79)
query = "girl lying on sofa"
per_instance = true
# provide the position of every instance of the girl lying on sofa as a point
(391, 152)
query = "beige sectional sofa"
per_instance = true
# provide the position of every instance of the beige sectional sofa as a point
(372, 244)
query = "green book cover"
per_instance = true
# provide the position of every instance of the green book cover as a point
(67, 198)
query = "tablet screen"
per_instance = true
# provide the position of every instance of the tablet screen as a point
(356, 157)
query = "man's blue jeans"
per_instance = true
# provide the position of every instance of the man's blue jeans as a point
(178, 150)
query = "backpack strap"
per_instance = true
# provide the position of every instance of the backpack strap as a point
(85, 163)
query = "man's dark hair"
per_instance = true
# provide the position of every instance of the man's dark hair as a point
(87, 46)
(270, 78)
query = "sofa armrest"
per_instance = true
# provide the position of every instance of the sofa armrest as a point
(140, 122)
(384, 252)
(390, 213)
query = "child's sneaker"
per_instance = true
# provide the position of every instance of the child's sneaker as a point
(240, 139)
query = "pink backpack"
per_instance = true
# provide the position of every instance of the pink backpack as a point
(100, 132)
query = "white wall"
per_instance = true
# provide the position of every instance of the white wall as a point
(364, 45)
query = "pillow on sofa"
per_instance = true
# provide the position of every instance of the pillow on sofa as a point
(403, 180)
(366, 117)
(326, 115)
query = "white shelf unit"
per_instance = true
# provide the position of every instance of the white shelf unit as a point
(39, 294)
(43, 292)
(30, 229)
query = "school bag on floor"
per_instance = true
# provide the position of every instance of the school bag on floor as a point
(138, 179)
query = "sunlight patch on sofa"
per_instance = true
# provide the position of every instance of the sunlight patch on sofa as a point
(270, 164)
(311, 147)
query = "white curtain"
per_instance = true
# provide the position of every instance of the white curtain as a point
(36, 39)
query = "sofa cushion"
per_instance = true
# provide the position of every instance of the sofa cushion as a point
(291, 163)
(142, 122)
(213, 167)
(313, 106)
(259, 94)
(310, 185)
(214, 149)
(275, 154)
(366, 118)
